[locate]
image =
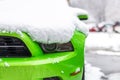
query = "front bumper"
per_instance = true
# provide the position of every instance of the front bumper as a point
(63, 66)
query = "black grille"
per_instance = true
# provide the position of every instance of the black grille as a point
(13, 47)
(52, 78)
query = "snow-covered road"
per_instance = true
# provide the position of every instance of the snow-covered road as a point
(108, 67)
(108, 64)
(103, 52)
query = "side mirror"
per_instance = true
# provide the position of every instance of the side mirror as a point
(83, 17)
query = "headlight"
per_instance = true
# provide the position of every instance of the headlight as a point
(52, 48)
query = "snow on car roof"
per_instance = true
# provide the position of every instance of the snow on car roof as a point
(46, 21)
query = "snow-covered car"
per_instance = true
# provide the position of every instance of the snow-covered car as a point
(35, 45)
(92, 27)
(105, 27)
(116, 27)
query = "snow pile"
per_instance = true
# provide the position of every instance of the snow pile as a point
(46, 21)
(115, 76)
(105, 52)
(98, 42)
(93, 73)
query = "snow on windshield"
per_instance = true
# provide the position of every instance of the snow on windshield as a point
(46, 21)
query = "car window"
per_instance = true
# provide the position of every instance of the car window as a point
(13, 47)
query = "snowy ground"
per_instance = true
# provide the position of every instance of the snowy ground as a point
(93, 73)
(103, 50)
(107, 42)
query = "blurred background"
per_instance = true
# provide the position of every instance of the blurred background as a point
(100, 10)
(104, 15)
(102, 49)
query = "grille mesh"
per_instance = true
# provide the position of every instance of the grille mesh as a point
(13, 47)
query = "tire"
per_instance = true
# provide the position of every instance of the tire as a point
(83, 77)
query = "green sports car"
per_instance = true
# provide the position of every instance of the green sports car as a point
(41, 40)
(21, 58)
